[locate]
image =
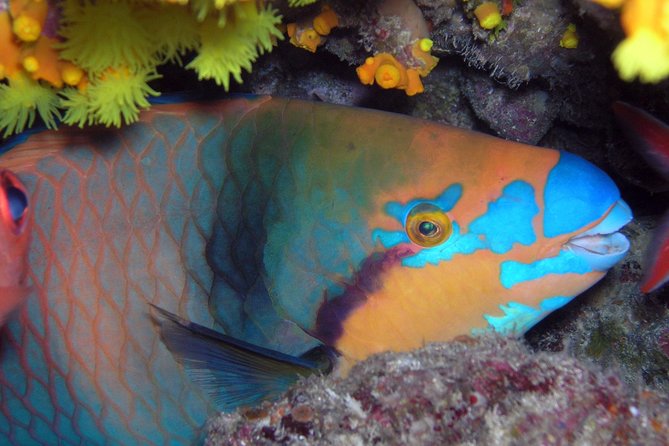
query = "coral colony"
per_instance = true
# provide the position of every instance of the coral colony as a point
(93, 62)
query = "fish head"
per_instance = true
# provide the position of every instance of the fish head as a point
(463, 233)
(15, 236)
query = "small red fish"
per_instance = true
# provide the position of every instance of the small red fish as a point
(14, 242)
(650, 137)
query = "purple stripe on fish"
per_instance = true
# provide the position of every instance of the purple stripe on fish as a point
(368, 279)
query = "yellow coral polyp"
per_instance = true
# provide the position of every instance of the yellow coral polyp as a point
(488, 15)
(425, 45)
(644, 53)
(570, 37)
(26, 28)
(71, 74)
(610, 3)
(30, 64)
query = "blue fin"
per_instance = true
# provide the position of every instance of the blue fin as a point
(233, 372)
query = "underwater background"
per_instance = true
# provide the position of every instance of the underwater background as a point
(539, 72)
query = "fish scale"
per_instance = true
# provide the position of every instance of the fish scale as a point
(99, 217)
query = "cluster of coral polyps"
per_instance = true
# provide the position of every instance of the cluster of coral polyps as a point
(389, 72)
(88, 62)
(399, 35)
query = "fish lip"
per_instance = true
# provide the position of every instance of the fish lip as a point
(602, 246)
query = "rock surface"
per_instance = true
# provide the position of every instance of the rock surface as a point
(489, 390)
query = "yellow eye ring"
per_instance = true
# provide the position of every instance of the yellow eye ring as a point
(427, 225)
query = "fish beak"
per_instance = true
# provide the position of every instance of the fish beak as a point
(602, 246)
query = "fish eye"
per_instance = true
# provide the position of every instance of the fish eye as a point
(427, 225)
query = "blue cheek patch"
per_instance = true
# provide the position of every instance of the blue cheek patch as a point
(509, 218)
(389, 238)
(456, 244)
(518, 318)
(513, 272)
(577, 193)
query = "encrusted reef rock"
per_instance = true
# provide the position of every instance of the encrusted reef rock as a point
(614, 324)
(489, 390)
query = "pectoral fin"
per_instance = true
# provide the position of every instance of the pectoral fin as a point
(233, 372)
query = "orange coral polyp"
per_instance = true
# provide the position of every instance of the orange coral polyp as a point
(387, 76)
(426, 61)
(488, 15)
(325, 21)
(305, 38)
(640, 14)
(48, 67)
(310, 36)
(414, 84)
(10, 52)
(366, 71)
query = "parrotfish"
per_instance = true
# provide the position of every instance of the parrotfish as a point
(279, 237)
(650, 137)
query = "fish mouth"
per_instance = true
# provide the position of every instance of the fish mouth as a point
(602, 246)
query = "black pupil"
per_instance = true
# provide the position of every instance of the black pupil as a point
(427, 228)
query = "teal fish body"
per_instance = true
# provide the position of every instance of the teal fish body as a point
(296, 229)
